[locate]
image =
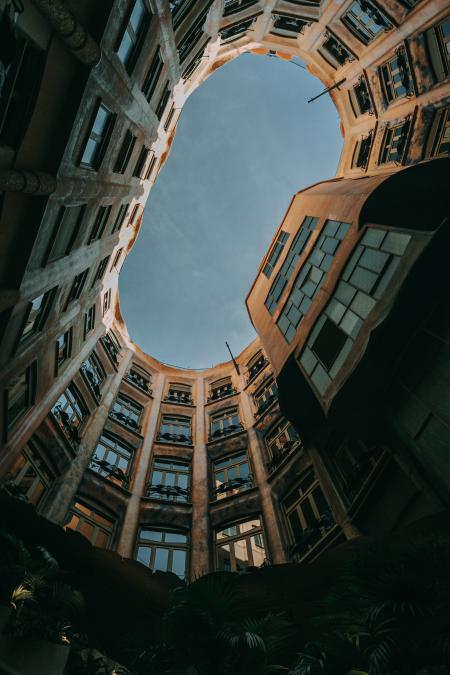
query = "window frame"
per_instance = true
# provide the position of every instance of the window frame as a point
(155, 544)
(232, 539)
(100, 139)
(136, 38)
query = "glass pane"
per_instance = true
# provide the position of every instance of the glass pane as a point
(224, 558)
(35, 495)
(151, 535)
(102, 540)
(161, 559)
(126, 47)
(100, 120)
(144, 554)
(179, 562)
(176, 537)
(87, 530)
(89, 152)
(241, 554)
(137, 15)
(258, 552)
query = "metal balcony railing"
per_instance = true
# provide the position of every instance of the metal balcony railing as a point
(311, 536)
(92, 382)
(179, 397)
(226, 431)
(221, 392)
(282, 454)
(69, 429)
(171, 492)
(124, 419)
(233, 486)
(180, 439)
(139, 381)
(266, 403)
(112, 472)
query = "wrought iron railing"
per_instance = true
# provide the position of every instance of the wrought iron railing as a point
(226, 431)
(69, 429)
(111, 348)
(282, 453)
(179, 397)
(180, 439)
(139, 381)
(266, 403)
(124, 419)
(221, 392)
(92, 382)
(311, 536)
(171, 492)
(233, 486)
(101, 466)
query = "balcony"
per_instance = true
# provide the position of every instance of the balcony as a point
(110, 348)
(179, 397)
(256, 368)
(233, 32)
(92, 382)
(169, 492)
(226, 431)
(139, 381)
(363, 97)
(64, 421)
(179, 439)
(282, 454)
(233, 486)
(311, 536)
(337, 50)
(232, 6)
(221, 392)
(375, 14)
(125, 420)
(289, 24)
(113, 473)
(265, 404)
(405, 73)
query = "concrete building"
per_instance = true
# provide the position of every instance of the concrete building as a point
(193, 471)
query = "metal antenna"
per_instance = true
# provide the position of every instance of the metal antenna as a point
(325, 91)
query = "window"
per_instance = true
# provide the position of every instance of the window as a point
(101, 269)
(169, 480)
(91, 524)
(112, 346)
(100, 222)
(240, 545)
(116, 261)
(89, 320)
(236, 31)
(334, 52)
(354, 461)
(179, 393)
(365, 20)
(132, 37)
(125, 152)
(134, 214)
(266, 396)
(175, 429)
(169, 119)
(120, 218)
(77, 286)
(36, 314)
(20, 394)
(438, 43)
(63, 349)
(192, 36)
(221, 389)
(94, 374)
(361, 152)
(438, 144)
(280, 442)
(127, 412)
(112, 460)
(163, 101)
(365, 277)
(164, 551)
(275, 253)
(298, 244)
(225, 423)
(288, 24)
(139, 378)
(106, 302)
(395, 77)
(70, 411)
(231, 476)
(98, 138)
(141, 162)
(65, 232)
(360, 98)
(152, 77)
(151, 166)
(31, 474)
(311, 277)
(308, 515)
(256, 365)
(394, 143)
(231, 6)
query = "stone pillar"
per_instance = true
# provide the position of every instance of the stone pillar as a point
(270, 516)
(201, 552)
(29, 182)
(67, 485)
(68, 28)
(332, 496)
(130, 523)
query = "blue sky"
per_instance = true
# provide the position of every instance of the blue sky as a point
(247, 140)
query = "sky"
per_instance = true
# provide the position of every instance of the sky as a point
(246, 142)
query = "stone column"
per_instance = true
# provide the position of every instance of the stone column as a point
(29, 182)
(201, 551)
(337, 506)
(69, 29)
(67, 485)
(270, 516)
(130, 523)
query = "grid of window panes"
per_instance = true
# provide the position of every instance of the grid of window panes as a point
(266, 396)
(161, 550)
(152, 77)
(98, 138)
(221, 389)
(365, 20)
(179, 393)
(132, 35)
(126, 411)
(100, 222)
(63, 348)
(231, 475)
(112, 459)
(281, 440)
(77, 286)
(240, 546)
(94, 374)
(20, 394)
(334, 51)
(224, 423)
(31, 474)
(70, 411)
(175, 429)
(275, 253)
(395, 77)
(311, 277)
(290, 263)
(363, 282)
(91, 524)
(170, 480)
(394, 143)
(65, 232)
(308, 513)
(140, 378)
(36, 314)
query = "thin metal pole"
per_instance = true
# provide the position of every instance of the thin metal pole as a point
(325, 91)
(232, 358)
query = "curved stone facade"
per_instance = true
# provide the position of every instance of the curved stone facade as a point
(139, 456)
